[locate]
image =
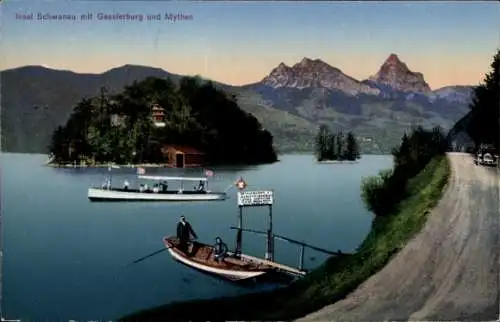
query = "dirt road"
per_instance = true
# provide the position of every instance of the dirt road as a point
(449, 271)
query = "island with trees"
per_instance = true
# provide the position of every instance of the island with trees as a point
(335, 147)
(122, 128)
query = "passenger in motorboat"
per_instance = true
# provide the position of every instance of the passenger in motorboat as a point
(107, 183)
(200, 187)
(184, 232)
(220, 250)
(164, 186)
(125, 185)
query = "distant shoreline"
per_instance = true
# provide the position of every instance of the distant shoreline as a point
(140, 165)
(337, 162)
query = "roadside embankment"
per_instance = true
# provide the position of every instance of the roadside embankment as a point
(449, 271)
(337, 277)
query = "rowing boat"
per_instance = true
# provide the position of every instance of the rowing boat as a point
(201, 257)
(236, 265)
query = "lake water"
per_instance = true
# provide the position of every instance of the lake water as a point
(65, 258)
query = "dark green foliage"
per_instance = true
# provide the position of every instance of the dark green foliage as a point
(483, 126)
(382, 193)
(340, 153)
(119, 128)
(352, 147)
(330, 146)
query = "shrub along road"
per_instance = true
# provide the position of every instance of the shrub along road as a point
(450, 270)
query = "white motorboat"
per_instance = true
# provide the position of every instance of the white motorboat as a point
(159, 191)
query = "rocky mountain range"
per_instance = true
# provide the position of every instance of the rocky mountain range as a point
(316, 73)
(290, 102)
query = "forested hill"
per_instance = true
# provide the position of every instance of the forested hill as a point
(119, 128)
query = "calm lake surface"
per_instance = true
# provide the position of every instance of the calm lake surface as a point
(65, 258)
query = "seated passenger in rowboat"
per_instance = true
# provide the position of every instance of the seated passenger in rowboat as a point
(220, 250)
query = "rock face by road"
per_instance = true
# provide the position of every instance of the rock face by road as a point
(449, 271)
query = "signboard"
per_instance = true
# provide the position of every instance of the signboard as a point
(255, 198)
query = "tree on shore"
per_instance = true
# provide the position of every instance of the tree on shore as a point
(382, 193)
(321, 141)
(335, 146)
(340, 153)
(119, 128)
(484, 125)
(352, 148)
(331, 148)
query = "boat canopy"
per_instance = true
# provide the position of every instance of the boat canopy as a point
(162, 178)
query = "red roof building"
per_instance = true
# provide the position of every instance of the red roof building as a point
(183, 156)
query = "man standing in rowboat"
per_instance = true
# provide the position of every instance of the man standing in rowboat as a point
(184, 231)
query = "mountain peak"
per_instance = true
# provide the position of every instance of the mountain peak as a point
(393, 58)
(315, 73)
(397, 75)
(306, 61)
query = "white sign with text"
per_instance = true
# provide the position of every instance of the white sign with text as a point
(255, 198)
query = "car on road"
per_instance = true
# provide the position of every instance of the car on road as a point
(486, 155)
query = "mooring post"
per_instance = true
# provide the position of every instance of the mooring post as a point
(301, 257)
(270, 237)
(239, 234)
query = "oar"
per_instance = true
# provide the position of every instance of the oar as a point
(147, 256)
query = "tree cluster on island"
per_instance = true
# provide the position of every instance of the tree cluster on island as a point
(119, 128)
(335, 146)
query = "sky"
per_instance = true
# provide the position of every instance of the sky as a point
(451, 43)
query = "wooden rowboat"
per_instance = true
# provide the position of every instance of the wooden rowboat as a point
(238, 266)
(201, 257)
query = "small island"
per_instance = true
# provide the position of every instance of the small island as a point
(335, 147)
(138, 125)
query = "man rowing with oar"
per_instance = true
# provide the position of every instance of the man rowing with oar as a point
(184, 232)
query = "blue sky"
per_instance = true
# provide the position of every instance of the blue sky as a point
(240, 42)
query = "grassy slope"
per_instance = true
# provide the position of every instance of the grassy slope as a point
(334, 279)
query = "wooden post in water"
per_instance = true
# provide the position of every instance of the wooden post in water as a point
(239, 234)
(301, 258)
(270, 241)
